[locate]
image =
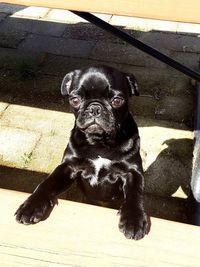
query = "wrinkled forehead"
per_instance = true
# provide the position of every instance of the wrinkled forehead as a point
(95, 83)
(94, 79)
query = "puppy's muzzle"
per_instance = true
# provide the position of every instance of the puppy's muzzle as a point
(94, 110)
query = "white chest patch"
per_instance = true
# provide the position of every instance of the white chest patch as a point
(98, 163)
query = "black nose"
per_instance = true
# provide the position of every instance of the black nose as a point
(95, 110)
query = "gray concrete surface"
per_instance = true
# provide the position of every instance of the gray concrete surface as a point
(38, 46)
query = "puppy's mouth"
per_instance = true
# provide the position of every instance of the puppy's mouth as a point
(97, 127)
(94, 128)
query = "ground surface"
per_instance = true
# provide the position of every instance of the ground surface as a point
(39, 46)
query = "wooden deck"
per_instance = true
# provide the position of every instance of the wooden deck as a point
(172, 10)
(83, 235)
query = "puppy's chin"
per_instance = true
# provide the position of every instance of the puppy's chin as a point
(95, 129)
(96, 133)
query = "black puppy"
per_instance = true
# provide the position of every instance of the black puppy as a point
(103, 151)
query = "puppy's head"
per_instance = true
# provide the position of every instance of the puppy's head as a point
(99, 99)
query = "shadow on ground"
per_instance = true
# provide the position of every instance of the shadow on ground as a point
(172, 168)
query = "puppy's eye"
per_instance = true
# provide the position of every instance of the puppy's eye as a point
(117, 102)
(75, 102)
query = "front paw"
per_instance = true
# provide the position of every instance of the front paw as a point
(35, 209)
(135, 224)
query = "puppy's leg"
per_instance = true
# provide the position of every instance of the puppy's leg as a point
(133, 222)
(40, 204)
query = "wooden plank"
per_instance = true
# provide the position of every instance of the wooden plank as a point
(171, 10)
(83, 235)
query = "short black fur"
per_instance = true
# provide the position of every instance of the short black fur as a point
(103, 153)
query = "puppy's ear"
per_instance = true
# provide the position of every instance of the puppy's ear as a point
(66, 83)
(133, 85)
